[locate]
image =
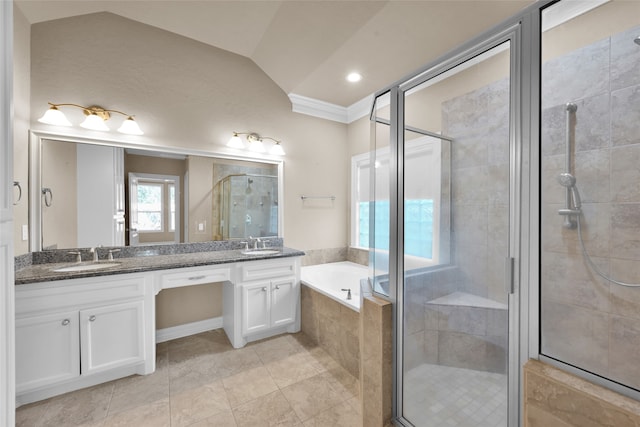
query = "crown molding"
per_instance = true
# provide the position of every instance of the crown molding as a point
(325, 110)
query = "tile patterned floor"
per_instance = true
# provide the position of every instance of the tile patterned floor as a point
(202, 381)
(442, 396)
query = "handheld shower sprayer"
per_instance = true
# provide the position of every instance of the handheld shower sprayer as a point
(574, 204)
(569, 181)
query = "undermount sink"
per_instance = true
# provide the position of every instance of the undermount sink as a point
(86, 267)
(260, 251)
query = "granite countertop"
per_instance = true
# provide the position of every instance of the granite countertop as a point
(43, 272)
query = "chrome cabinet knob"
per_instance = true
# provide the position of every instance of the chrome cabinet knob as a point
(264, 289)
(65, 322)
(277, 286)
(92, 318)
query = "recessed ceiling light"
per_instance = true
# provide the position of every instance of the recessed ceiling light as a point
(354, 77)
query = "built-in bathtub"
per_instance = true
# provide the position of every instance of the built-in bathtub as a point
(330, 279)
(327, 316)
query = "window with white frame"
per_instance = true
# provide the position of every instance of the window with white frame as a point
(421, 205)
(150, 206)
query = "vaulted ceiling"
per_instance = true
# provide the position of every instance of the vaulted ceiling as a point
(308, 47)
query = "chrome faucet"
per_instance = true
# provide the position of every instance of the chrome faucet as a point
(255, 241)
(78, 255)
(94, 251)
(348, 291)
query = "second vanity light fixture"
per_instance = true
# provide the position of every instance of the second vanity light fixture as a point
(255, 143)
(95, 120)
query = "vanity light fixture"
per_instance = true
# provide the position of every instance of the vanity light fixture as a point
(256, 143)
(95, 120)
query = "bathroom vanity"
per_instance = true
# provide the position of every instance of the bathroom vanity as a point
(84, 325)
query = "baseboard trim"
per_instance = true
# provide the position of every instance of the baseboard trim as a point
(187, 329)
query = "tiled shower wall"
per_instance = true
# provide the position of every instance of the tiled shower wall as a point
(587, 321)
(479, 124)
(463, 336)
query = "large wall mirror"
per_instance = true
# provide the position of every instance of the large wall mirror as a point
(88, 192)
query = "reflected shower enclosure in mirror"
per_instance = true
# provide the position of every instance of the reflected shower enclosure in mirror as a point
(88, 192)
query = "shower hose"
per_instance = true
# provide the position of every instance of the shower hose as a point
(595, 267)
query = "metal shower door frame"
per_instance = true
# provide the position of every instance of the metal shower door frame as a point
(513, 34)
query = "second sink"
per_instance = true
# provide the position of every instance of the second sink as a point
(260, 251)
(86, 267)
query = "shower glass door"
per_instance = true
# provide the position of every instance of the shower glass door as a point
(455, 168)
(590, 197)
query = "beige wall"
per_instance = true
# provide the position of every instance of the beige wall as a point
(22, 112)
(178, 306)
(200, 198)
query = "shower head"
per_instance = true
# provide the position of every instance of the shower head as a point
(566, 180)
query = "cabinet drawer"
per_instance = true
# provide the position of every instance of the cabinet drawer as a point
(258, 270)
(194, 276)
(41, 297)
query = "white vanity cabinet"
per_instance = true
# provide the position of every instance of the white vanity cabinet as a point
(111, 336)
(264, 300)
(76, 333)
(47, 349)
(268, 304)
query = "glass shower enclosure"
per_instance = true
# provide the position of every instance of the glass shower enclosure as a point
(442, 249)
(248, 206)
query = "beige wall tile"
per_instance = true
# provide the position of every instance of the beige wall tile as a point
(624, 348)
(536, 417)
(576, 334)
(567, 278)
(625, 301)
(556, 394)
(626, 160)
(376, 363)
(625, 230)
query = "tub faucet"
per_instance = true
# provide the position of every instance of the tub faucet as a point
(348, 291)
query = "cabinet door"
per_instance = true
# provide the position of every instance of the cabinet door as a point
(284, 301)
(112, 336)
(255, 307)
(47, 350)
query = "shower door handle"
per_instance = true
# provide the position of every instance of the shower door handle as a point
(508, 275)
